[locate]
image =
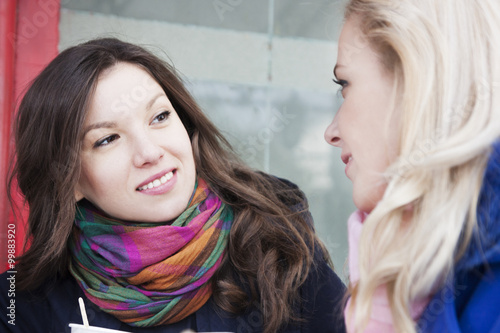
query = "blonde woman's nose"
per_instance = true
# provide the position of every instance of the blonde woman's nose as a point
(332, 135)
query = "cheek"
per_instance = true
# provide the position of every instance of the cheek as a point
(352, 119)
(189, 161)
(182, 146)
(100, 177)
(89, 182)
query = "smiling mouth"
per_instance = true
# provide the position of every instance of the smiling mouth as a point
(157, 182)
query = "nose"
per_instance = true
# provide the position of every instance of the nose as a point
(146, 151)
(332, 135)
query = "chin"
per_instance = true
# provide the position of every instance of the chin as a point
(364, 204)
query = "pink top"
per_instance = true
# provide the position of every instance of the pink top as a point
(381, 317)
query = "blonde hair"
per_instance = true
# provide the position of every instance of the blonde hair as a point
(445, 56)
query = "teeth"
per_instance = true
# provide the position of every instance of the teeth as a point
(157, 182)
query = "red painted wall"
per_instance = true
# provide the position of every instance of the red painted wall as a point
(7, 28)
(29, 37)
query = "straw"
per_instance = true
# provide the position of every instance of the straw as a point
(84, 313)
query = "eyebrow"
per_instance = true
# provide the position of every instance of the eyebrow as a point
(154, 99)
(104, 124)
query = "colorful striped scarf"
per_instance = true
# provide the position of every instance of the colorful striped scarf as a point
(149, 274)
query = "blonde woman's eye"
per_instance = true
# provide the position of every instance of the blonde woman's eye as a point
(342, 84)
(161, 117)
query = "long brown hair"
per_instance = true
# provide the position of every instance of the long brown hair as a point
(271, 245)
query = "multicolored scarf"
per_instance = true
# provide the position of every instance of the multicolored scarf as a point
(149, 274)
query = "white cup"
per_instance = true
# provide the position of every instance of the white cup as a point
(77, 328)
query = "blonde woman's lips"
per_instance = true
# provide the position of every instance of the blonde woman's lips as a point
(347, 158)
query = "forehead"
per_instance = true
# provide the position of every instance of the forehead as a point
(125, 78)
(352, 41)
(356, 53)
(125, 83)
(121, 88)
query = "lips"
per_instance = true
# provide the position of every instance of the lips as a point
(346, 158)
(156, 180)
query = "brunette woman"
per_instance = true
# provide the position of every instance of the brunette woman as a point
(138, 205)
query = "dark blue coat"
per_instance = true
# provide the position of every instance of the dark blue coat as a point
(470, 301)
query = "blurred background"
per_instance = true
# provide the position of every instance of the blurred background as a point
(260, 69)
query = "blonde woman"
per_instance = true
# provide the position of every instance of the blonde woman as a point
(419, 132)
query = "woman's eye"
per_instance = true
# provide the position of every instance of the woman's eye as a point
(341, 83)
(106, 141)
(161, 117)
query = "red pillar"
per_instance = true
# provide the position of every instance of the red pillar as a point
(29, 37)
(7, 57)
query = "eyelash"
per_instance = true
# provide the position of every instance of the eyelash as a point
(113, 137)
(341, 83)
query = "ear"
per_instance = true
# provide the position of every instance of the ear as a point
(78, 194)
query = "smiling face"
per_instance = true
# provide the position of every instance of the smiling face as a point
(363, 127)
(137, 161)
